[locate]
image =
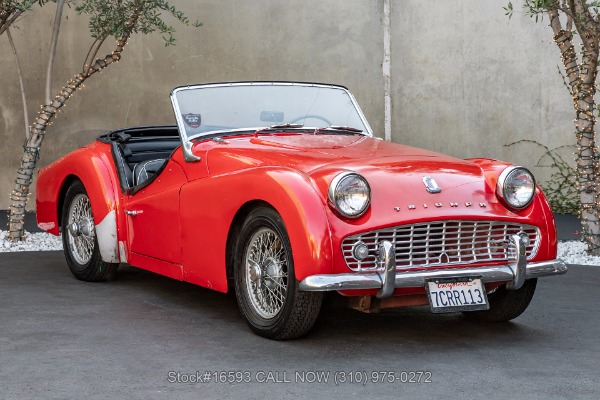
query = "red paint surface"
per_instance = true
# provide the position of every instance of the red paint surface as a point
(188, 210)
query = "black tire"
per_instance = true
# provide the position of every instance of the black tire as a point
(81, 250)
(506, 304)
(270, 273)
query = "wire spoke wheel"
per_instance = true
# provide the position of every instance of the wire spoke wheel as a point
(265, 280)
(80, 241)
(80, 229)
(266, 272)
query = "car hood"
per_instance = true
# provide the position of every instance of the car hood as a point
(308, 152)
(395, 172)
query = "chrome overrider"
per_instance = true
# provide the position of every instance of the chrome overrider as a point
(514, 273)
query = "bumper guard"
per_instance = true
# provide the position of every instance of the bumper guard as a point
(514, 274)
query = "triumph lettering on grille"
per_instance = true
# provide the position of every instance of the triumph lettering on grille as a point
(440, 205)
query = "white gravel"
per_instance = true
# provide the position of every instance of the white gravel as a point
(33, 242)
(572, 252)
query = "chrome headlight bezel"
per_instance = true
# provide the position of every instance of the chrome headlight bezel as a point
(337, 184)
(504, 185)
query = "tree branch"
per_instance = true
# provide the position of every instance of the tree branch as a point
(93, 55)
(55, 31)
(23, 95)
(569, 23)
(87, 56)
(564, 40)
(7, 23)
(585, 23)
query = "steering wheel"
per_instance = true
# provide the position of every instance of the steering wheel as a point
(307, 116)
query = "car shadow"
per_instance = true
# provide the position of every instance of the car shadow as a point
(414, 325)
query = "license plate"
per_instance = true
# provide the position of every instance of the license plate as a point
(456, 294)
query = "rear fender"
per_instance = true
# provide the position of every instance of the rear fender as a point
(93, 166)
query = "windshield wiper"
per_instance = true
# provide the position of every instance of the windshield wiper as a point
(347, 129)
(288, 125)
(280, 127)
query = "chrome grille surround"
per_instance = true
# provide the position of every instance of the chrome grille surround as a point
(442, 243)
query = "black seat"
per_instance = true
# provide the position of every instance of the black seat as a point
(145, 170)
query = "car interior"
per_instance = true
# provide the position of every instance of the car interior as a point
(141, 153)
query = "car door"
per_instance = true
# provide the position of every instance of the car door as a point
(152, 214)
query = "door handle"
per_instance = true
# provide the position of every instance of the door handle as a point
(133, 213)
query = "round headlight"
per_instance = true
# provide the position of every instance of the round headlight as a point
(516, 185)
(350, 194)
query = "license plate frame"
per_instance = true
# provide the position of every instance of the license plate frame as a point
(469, 290)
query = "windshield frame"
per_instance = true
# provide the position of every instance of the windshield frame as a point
(186, 141)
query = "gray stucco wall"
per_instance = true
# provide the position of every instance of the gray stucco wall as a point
(465, 79)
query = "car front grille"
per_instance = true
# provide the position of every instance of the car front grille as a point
(441, 243)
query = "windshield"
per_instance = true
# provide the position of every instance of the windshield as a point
(202, 110)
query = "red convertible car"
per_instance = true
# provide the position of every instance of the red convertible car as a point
(280, 191)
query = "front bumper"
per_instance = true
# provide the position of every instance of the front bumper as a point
(514, 273)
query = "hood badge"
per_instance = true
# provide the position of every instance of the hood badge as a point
(431, 185)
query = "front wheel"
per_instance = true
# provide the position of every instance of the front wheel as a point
(265, 284)
(79, 238)
(506, 304)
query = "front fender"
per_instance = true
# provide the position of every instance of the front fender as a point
(209, 206)
(92, 165)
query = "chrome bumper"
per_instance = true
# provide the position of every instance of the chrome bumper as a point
(389, 279)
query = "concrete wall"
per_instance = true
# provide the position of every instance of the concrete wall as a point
(468, 81)
(465, 79)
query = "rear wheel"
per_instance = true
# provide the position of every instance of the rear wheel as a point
(265, 283)
(506, 304)
(79, 238)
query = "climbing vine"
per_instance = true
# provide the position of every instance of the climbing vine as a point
(561, 188)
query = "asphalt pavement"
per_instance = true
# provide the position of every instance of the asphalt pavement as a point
(144, 336)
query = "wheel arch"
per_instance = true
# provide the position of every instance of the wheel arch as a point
(69, 180)
(287, 191)
(234, 231)
(93, 167)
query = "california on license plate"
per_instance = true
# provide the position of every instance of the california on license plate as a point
(456, 294)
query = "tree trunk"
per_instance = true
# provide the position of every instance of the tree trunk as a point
(581, 80)
(20, 194)
(587, 158)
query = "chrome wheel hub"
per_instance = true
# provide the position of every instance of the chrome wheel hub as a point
(266, 272)
(74, 229)
(80, 229)
(272, 270)
(256, 275)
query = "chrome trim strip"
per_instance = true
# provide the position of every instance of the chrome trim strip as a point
(360, 114)
(357, 281)
(186, 143)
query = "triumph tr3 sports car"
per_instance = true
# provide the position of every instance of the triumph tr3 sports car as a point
(280, 191)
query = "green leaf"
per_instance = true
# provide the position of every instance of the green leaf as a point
(109, 17)
(509, 10)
